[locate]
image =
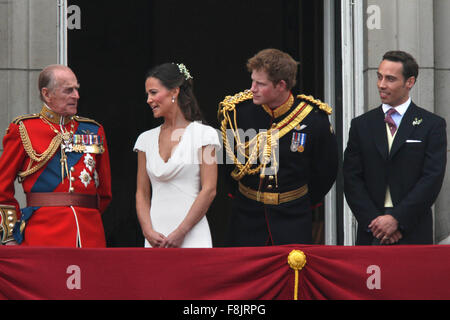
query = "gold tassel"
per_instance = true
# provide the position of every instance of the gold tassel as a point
(296, 260)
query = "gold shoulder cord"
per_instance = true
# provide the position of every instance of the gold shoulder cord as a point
(321, 105)
(41, 159)
(269, 137)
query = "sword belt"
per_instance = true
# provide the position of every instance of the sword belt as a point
(61, 199)
(273, 198)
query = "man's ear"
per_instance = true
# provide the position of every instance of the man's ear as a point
(282, 85)
(410, 82)
(45, 92)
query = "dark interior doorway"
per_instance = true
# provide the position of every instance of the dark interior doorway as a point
(120, 40)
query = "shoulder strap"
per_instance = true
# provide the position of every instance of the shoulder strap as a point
(230, 102)
(316, 103)
(18, 119)
(83, 119)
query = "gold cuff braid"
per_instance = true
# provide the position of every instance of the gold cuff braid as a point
(8, 219)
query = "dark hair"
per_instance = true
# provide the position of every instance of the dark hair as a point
(171, 77)
(278, 65)
(410, 66)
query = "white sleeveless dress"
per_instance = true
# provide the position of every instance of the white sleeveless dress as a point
(176, 183)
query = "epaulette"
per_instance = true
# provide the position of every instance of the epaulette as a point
(25, 117)
(83, 119)
(229, 103)
(317, 103)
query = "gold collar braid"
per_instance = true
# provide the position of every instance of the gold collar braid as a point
(279, 111)
(251, 150)
(54, 117)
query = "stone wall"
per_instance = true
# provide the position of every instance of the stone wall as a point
(28, 37)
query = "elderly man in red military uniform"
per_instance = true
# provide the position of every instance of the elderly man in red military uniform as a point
(62, 161)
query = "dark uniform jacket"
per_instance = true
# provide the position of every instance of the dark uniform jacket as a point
(307, 155)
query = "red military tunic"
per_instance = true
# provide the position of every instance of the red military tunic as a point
(87, 172)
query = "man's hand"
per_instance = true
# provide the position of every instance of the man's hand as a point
(394, 238)
(383, 228)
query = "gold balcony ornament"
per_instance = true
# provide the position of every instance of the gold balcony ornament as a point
(296, 260)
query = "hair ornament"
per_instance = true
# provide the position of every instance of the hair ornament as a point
(184, 71)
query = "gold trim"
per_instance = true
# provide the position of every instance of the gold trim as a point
(94, 149)
(279, 111)
(268, 139)
(321, 105)
(297, 261)
(40, 159)
(83, 119)
(52, 116)
(273, 198)
(18, 119)
(8, 221)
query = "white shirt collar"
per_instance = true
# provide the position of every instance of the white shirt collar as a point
(400, 108)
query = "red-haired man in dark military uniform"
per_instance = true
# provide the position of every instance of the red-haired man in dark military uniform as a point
(62, 161)
(284, 153)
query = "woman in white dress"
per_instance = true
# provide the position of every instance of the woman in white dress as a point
(177, 167)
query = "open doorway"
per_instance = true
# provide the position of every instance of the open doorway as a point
(119, 41)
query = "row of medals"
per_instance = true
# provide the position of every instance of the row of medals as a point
(82, 143)
(298, 142)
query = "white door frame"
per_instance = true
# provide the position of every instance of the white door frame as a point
(330, 98)
(62, 32)
(352, 37)
(352, 32)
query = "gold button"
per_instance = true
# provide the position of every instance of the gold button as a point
(71, 189)
(271, 178)
(269, 187)
(72, 169)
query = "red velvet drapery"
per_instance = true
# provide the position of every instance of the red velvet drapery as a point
(331, 272)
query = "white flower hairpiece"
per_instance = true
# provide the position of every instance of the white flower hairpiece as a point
(184, 71)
